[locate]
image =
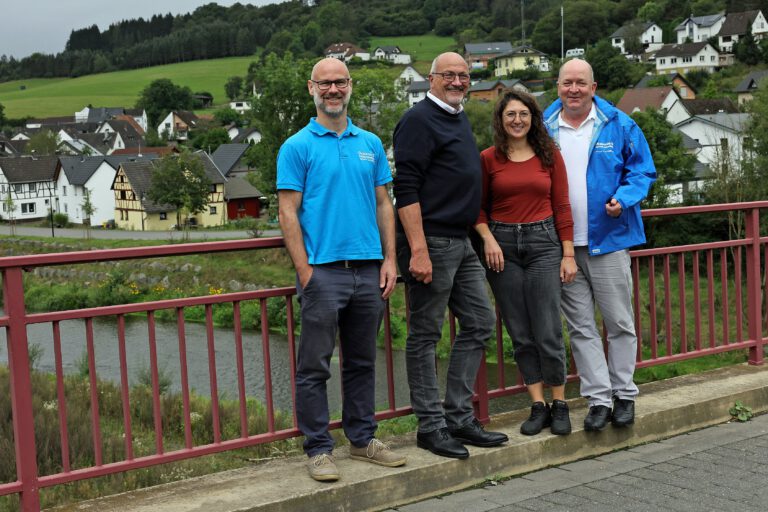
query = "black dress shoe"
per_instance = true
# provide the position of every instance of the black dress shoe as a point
(473, 433)
(539, 418)
(440, 442)
(597, 418)
(623, 412)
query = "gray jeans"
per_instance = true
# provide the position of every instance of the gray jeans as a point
(457, 282)
(604, 281)
(527, 292)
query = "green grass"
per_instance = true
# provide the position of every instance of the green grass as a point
(421, 48)
(65, 96)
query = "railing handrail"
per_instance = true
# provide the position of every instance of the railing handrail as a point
(707, 208)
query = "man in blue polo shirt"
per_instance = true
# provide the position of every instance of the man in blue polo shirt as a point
(339, 229)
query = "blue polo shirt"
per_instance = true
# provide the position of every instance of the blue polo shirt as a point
(337, 175)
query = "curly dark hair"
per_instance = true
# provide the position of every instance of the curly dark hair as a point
(538, 137)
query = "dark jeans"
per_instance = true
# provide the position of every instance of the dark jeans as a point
(527, 292)
(457, 282)
(347, 301)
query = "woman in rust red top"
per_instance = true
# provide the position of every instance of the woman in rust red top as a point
(527, 233)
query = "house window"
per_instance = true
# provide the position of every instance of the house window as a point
(673, 60)
(18, 188)
(617, 40)
(687, 59)
(64, 190)
(726, 39)
(27, 207)
(712, 58)
(213, 210)
(32, 187)
(2, 188)
(701, 58)
(683, 92)
(724, 145)
(66, 208)
(661, 61)
(163, 216)
(241, 205)
(213, 187)
(122, 194)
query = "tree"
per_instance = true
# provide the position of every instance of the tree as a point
(88, 210)
(612, 70)
(652, 11)
(180, 182)
(10, 208)
(2, 115)
(375, 104)
(480, 115)
(234, 87)
(227, 116)
(162, 96)
(210, 140)
(746, 49)
(45, 142)
(283, 108)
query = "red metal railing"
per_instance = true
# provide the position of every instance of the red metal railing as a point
(671, 327)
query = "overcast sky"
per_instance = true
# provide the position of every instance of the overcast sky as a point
(29, 26)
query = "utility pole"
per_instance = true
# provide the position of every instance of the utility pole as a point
(562, 23)
(522, 22)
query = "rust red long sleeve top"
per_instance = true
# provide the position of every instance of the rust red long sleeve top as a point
(519, 192)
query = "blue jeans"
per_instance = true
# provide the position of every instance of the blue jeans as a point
(347, 301)
(457, 282)
(527, 292)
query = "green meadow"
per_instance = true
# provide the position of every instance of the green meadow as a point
(65, 96)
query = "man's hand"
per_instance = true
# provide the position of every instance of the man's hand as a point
(387, 278)
(421, 266)
(305, 274)
(613, 207)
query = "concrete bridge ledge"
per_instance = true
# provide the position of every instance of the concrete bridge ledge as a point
(664, 409)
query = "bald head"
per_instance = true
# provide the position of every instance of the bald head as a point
(447, 59)
(329, 65)
(576, 65)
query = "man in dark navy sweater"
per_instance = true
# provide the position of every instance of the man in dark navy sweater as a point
(437, 192)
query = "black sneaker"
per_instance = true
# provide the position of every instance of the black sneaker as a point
(538, 419)
(561, 421)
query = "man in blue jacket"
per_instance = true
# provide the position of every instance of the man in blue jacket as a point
(610, 170)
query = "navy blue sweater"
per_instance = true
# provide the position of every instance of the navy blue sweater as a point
(438, 166)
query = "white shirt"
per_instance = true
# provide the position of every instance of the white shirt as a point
(444, 105)
(574, 146)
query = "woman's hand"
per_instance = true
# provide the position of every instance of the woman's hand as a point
(494, 258)
(568, 269)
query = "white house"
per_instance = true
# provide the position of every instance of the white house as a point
(176, 125)
(747, 87)
(100, 114)
(416, 92)
(662, 99)
(736, 26)
(31, 183)
(346, 52)
(392, 54)
(240, 106)
(407, 76)
(720, 136)
(697, 29)
(681, 58)
(649, 35)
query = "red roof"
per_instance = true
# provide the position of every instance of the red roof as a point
(640, 99)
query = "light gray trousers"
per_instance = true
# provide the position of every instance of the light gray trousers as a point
(604, 281)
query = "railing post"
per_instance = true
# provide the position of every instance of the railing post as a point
(21, 389)
(481, 389)
(754, 304)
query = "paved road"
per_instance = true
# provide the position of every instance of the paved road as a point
(723, 468)
(117, 234)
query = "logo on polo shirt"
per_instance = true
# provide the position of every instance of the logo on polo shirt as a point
(365, 156)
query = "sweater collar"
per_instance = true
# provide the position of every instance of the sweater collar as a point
(440, 103)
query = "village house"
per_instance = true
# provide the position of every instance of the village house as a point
(661, 99)
(747, 87)
(490, 90)
(30, 184)
(684, 89)
(416, 92)
(176, 125)
(135, 211)
(698, 29)
(392, 54)
(346, 52)
(240, 106)
(685, 57)
(720, 136)
(736, 26)
(242, 198)
(98, 115)
(648, 35)
(123, 133)
(518, 59)
(478, 55)
(229, 159)
(406, 77)
(92, 175)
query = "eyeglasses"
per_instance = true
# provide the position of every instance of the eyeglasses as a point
(450, 76)
(324, 85)
(524, 115)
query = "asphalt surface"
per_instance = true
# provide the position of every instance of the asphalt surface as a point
(723, 468)
(118, 234)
